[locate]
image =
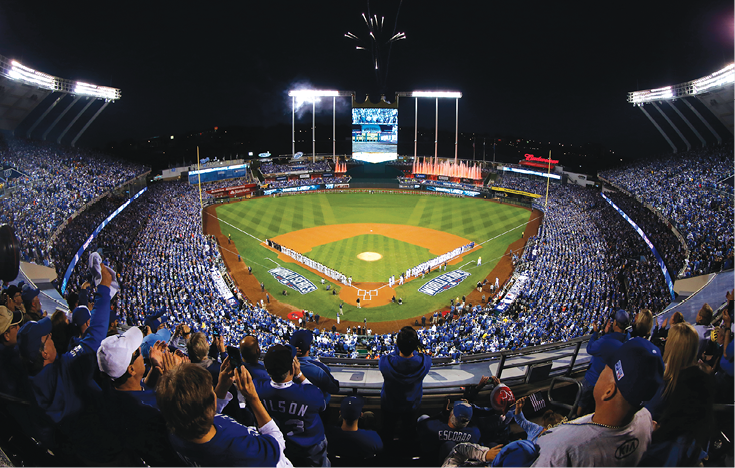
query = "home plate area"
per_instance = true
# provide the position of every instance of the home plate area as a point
(366, 294)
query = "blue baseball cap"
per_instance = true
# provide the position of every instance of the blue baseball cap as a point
(517, 453)
(155, 322)
(301, 339)
(638, 370)
(351, 408)
(28, 294)
(30, 335)
(80, 316)
(622, 318)
(462, 411)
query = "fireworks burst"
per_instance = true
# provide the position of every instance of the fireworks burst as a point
(379, 44)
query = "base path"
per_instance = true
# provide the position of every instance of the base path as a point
(250, 286)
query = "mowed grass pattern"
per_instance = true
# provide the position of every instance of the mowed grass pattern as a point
(252, 221)
(342, 256)
(477, 220)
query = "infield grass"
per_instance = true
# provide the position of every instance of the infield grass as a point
(252, 221)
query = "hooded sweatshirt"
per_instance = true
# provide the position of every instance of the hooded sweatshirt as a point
(403, 380)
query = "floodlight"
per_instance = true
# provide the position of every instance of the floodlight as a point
(29, 75)
(103, 92)
(312, 93)
(658, 94)
(436, 94)
(718, 78)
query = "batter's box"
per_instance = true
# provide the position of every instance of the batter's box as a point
(367, 295)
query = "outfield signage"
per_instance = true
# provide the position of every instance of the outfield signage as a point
(233, 191)
(444, 282)
(466, 193)
(420, 176)
(293, 280)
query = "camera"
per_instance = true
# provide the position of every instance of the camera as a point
(9, 253)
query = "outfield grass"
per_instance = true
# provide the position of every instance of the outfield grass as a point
(252, 221)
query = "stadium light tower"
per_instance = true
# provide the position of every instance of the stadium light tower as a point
(313, 95)
(434, 94)
(719, 82)
(44, 84)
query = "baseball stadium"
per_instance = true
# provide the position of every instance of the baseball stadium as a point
(369, 307)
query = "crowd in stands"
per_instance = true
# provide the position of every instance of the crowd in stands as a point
(57, 182)
(227, 183)
(163, 394)
(663, 238)
(685, 187)
(78, 230)
(301, 166)
(146, 376)
(314, 181)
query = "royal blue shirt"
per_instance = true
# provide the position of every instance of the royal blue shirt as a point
(295, 408)
(354, 445)
(60, 387)
(232, 445)
(403, 380)
(320, 375)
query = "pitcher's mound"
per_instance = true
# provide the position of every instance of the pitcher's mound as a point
(369, 256)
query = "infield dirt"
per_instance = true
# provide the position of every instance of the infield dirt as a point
(250, 286)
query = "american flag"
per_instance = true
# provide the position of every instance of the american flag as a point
(537, 401)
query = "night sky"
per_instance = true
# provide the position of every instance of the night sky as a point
(552, 71)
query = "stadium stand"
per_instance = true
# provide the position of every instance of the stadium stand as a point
(687, 188)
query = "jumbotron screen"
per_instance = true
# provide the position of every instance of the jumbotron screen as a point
(374, 134)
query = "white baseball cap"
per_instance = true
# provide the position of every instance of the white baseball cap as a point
(115, 352)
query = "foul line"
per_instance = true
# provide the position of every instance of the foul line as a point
(509, 230)
(235, 227)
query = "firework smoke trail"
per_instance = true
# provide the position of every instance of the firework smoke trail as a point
(379, 59)
(393, 39)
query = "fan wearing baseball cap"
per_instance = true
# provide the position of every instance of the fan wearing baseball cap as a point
(55, 379)
(601, 345)
(295, 404)
(619, 432)
(438, 438)
(11, 369)
(318, 373)
(354, 446)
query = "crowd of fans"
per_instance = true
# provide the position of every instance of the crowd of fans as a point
(168, 324)
(660, 234)
(56, 183)
(314, 181)
(219, 184)
(301, 166)
(686, 189)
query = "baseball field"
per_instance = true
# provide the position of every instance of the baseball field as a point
(369, 237)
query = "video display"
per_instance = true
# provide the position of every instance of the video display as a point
(374, 134)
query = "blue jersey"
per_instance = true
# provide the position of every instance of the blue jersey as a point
(437, 438)
(232, 445)
(295, 408)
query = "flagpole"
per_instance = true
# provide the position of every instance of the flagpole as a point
(201, 205)
(547, 182)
